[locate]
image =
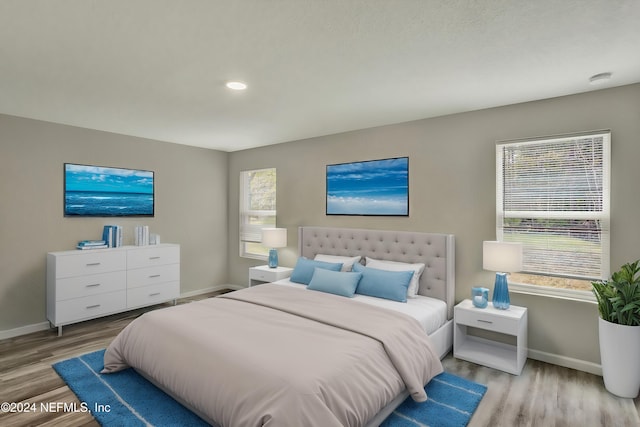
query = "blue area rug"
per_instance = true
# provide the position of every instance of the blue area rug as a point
(127, 399)
(451, 401)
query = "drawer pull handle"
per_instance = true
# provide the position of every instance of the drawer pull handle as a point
(155, 294)
(92, 264)
(154, 257)
(153, 276)
(93, 306)
(485, 321)
(93, 285)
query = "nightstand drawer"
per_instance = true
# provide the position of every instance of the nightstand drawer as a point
(478, 318)
(264, 274)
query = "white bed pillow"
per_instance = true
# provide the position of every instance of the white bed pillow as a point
(417, 269)
(347, 261)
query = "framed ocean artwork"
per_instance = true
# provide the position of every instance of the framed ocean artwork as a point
(107, 191)
(371, 187)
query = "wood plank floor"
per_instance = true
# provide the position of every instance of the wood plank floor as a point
(544, 395)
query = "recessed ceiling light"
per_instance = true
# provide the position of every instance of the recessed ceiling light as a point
(600, 78)
(236, 85)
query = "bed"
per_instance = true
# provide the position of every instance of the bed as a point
(281, 355)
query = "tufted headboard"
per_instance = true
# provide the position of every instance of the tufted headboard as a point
(436, 251)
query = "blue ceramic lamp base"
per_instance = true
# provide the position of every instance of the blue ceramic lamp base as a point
(501, 292)
(273, 258)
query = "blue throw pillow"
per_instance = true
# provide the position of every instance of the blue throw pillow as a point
(334, 282)
(385, 284)
(303, 271)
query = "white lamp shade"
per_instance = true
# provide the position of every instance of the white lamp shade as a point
(505, 257)
(274, 237)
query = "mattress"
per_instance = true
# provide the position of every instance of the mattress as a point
(431, 313)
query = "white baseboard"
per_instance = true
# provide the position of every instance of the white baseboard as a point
(567, 362)
(24, 330)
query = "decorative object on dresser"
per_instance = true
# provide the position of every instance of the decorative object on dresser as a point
(274, 238)
(619, 330)
(494, 354)
(503, 258)
(83, 285)
(84, 245)
(112, 235)
(141, 235)
(265, 274)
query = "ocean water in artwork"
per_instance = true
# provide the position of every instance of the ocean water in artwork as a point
(105, 191)
(108, 204)
(378, 187)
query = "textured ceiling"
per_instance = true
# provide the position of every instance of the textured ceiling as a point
(157, 68)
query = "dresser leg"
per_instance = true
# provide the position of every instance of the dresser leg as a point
(60, 330)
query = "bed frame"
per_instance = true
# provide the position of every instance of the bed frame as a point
(436, 251)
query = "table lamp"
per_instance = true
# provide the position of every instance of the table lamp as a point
(503, 258)
(274, 238)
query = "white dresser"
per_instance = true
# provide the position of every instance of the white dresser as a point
(83, 285)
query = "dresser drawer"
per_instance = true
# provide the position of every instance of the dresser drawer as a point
(88, 307)
(150, 256)
(153, 294)
(478, 318)
(92, 284)
(91, 262)
(153, 275)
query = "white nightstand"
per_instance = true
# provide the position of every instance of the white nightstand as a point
(265, 274)
(487, 352)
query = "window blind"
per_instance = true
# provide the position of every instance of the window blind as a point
(553, 196)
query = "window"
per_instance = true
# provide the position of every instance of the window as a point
(257, 210)
(553, 197)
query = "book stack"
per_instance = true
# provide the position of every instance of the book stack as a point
(112, 235)
(91, 244)
(142, 235)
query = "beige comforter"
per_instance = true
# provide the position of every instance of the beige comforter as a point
(279, 356)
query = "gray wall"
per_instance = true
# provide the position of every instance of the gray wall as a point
(452, 167)
(191, 193)
(452, 190)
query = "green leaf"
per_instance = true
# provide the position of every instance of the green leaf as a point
(619, 298)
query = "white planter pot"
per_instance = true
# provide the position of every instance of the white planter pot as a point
(620, 358)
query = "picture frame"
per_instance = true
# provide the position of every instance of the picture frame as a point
(368, 188)
(103, 191)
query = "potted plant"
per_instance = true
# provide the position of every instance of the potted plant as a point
(619, 330)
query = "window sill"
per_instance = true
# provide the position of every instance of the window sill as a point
(254, 256)
(543, 291)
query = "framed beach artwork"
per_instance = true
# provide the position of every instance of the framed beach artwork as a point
(372, 187)
(107, 191)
